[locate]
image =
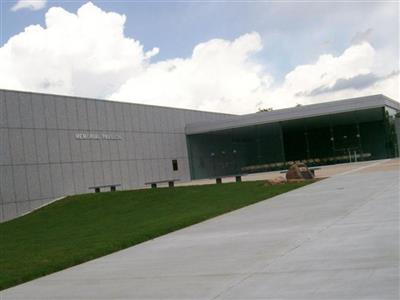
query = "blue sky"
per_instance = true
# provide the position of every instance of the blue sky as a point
(292, 33)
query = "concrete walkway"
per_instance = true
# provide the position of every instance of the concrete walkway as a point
(335, 239)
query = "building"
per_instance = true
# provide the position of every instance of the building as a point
(328, 133)
(52, 146)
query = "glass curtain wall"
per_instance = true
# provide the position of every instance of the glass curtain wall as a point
(337, 138)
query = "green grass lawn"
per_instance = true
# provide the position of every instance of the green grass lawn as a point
(83, 227)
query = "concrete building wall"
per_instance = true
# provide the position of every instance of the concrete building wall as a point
(44, 154)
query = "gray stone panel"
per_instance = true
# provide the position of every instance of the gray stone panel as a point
(65, 149)
(92, 115)
(141, 114)
(88, 174)
(17, 147)
(181, 145)
(149, 125)
(148, 146)
(7, 184)
(50, 112)
(105, 150)
(127, 116)
(124, 167)
(107, 171)
(119, 117)
(174, 145)
(39, 119)
(3, 112)
(72, 113)
(147, 170)
(41, 146)
(82, 114)
(162, 169)
(162, 124)
(86, 151)
(133, 174)
(140, 145)
(57, 179)
(25, 107)
(110, 116)
(12, 110)
(141, 179)
(61, 113)
(160, 142)
(28, 137)
(20, 183)
(9, 211)
(54, 146)
(95, 150)
(76, 153)
(98, 173)
(134, 112)
(79, 179)
(167, 145)
(116, 173)
(101, 115)
(122, 149)
(68, 179)
(114, 150)
(154, 146)
(32, 174)
(5, 155)
(130, 145)
(155, 115)
(155, 170)
(45, 181)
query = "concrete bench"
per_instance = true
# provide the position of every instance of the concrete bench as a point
(218, 179)
(171, 182)
(312, 170)
(97, 188)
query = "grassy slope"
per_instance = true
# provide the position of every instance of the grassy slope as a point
(80, 228)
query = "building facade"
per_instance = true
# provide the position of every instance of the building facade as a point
(52, 146)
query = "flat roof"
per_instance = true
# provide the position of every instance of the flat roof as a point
(110, 101)
(298, 112)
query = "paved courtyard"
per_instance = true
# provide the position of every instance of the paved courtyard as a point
(335, 239)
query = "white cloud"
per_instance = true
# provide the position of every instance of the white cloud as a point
(87, 54)
(29, 4)
(220, 75)
(76, 54)
(331, 78)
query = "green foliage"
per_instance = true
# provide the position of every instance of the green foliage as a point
(83, 227)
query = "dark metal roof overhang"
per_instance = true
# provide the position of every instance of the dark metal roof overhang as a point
(300, 112)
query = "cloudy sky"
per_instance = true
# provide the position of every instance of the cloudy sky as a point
(211, 55)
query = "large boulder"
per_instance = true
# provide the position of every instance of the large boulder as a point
(299, 171)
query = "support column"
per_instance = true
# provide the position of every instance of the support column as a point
(307, 144)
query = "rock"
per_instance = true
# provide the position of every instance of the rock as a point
(276, 181)
(298, 171)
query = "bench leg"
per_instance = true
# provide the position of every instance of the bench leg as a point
(238, 178)
(313, 172)
(154, 185)
(170, 183)
(97, 190)
(218, 180)
(112, 188)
